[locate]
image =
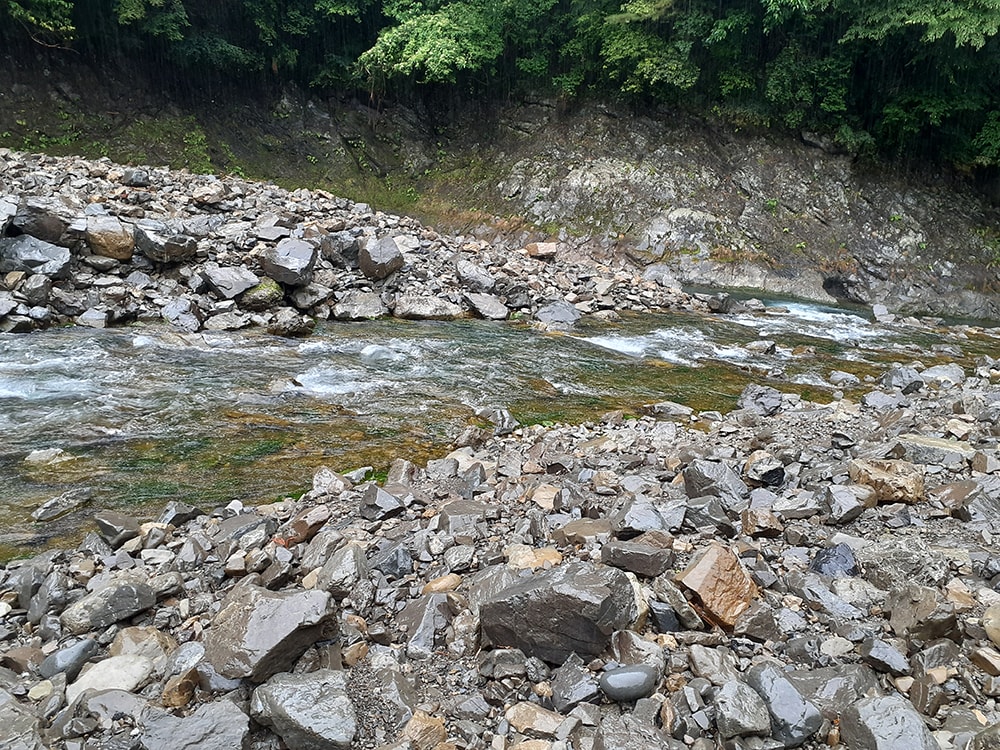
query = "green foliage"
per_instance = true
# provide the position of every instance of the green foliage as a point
(909, 79)
(48, 21)
(435, 46)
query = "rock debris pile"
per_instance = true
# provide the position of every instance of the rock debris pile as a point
(92, 243)
(789, 574)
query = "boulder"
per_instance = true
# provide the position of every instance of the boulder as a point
(761, 399)
(717, 479)
(290, 262)
(220, 724)
(120, 598)
(108, 237)
(793, 719)
(308, 711)
(31, 255)
(722, 588)
(44, 218)
(892, 481)
(558, 315)
(162, 245)
(573, 608)
(740, 711)
(359, 306)
(230, 281)
(422, 307)
(885, 723)
(258, 633)
(288, 322)
(126, 672)
(474, 276)
(380, 259)
(487, 306)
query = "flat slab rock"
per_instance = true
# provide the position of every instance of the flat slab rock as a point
(258, 633)
(220, 724)
(572, 608)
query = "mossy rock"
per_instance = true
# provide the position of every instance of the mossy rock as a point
(265, 295)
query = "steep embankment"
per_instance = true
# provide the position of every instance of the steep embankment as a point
(716, 205)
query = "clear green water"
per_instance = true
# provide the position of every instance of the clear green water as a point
(151, 415)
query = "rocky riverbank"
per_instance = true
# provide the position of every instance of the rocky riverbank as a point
(92, 243)
(788, 574)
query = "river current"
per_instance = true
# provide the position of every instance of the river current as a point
(146, 414)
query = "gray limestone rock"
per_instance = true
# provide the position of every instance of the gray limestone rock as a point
(230, 281)
(288, 322)
(558, 314)
(116, 600)
(902, 378)
(158, 243)
(183, 313)
(886, 723)
(258, 633)
(116, 528)
(21, 728)
(884, 657)
(761, 399)
(290, 262)
(717, 479)
(487, 306)
(629, 683)
(572, 684)
(474, 276)
(220, 724)
(793, 719)
(380, 259)
(69, 660)
(740, 711)
(573, 608)
(32, 255)
(359, 306)
(46, 218)
(308, 711)
(423, 307)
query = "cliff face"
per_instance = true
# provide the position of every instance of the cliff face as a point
(719, 207)
(715, 205)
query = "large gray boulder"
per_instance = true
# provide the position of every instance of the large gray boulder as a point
(886, 723)
(421, 307)
(487, 306)
(259, 633)
(32, 255)
(381, 259)
(220, 724)
(229, 281)
(474, 276)
(308, 711)
(161, 244)
(44, 218)
(359, 306)
(715, 478)
(793, 719)
(573, 608)
(8, 208)
(118, 599)
(290, 262)
(558, 315)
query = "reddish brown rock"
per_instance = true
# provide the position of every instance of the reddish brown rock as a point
(892, 481)
(721, 586)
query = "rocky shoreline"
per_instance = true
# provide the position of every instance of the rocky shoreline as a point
(788, 574)
(95, 244)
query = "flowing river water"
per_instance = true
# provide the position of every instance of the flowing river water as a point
(149, 415)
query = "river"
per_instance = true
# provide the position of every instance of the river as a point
(146, 414)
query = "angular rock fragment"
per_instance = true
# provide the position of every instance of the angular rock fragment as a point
(258, 633)
(885, 723)
(573, 608)
(120, 598)
(308, 711)
(290, 262)
(740, 711)
(892, 481)
(722, 587)
(793, 719)
(380, 260)
(220, 724)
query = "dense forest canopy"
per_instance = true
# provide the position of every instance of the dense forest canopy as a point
(902, 78)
